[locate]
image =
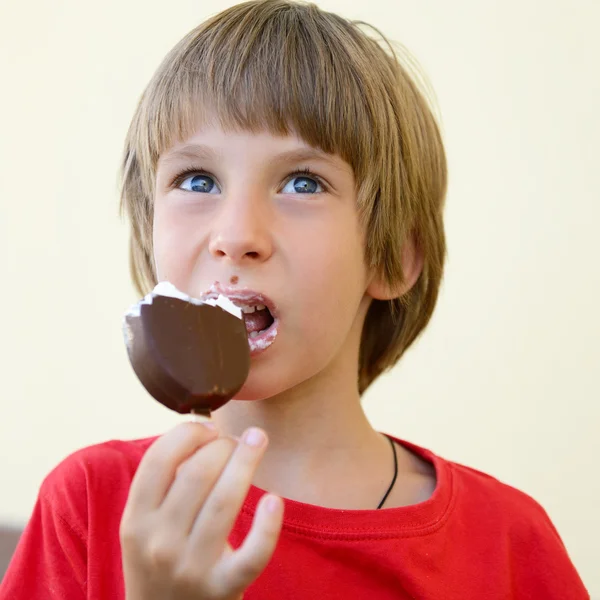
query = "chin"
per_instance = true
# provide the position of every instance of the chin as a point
(263, 384)
(258, 388)
(266, 381)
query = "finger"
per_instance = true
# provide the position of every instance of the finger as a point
(158, 466)
(215, 521)
(193, 483)
(240, 568)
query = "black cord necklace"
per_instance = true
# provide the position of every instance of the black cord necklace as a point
(395, 472)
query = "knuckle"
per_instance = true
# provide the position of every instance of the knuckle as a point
(130, 533)
(207, 463)
(248, 571)
(161, 555)
(197, 475)
(155, 462)
(217, 505)
(226, 445)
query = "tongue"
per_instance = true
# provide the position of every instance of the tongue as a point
(258, 320)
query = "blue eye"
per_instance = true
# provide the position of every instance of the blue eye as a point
(299, 182)
(303, 185)
(200, 183)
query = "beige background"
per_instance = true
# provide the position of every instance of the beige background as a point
(506, 379)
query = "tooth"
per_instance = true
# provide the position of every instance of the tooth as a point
(261, 307)
(248, 309)
(253, 334)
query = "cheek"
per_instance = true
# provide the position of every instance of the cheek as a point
(174, 241)
(330, 273)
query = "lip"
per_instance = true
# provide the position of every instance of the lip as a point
(247, 297)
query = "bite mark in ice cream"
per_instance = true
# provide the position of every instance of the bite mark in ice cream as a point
(191, 355)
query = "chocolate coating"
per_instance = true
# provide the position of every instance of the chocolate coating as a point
(190, 357)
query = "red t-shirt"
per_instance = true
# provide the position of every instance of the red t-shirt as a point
(475, 538)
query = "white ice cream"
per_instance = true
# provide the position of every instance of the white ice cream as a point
(164, 288)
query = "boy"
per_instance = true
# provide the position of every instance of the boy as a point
(281, 157)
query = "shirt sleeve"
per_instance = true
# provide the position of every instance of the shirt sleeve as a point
(49, 561)
(543, 565)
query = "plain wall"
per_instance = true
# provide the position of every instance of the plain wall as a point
(506, 378)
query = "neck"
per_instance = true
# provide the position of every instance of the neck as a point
(301, 421)
(320, 442)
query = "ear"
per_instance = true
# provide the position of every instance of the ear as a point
(412, 266)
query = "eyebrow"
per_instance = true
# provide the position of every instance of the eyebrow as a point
(202, 152)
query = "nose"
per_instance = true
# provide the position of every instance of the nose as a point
(241, 232)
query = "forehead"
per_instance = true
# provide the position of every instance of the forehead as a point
(212, 142)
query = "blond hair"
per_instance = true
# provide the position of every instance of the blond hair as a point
(283, 66)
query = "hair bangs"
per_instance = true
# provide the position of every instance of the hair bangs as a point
(283, 76)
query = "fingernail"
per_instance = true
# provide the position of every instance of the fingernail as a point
(273, 503)
(254, 437)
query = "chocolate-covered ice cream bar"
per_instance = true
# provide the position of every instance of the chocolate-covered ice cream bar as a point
(191, 356)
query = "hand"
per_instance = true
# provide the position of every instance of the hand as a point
(182, 505)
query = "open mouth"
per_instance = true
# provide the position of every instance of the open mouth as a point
(259, 313)
(258, 319)
(261, 325)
